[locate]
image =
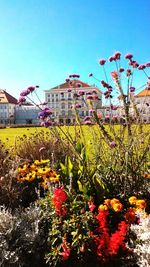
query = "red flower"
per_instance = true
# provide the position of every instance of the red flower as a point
(58, 200)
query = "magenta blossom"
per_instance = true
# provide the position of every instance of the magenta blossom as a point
(147, 64)
(102, 62)
(77, 105)
(81, 92)
(129, 56)
(112, 58)
(132, 89)
(88, 122)
(89, 97)
(121, 70)
(92, 111)
(21, 100)
(32, 88)
(117, 55)
(142, 67)
(67, 80)
(78, 84)
(25, 92)
(112, 144)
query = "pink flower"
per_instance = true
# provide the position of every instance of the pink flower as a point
(114, 75)
(102, 62)
(25, 92)
(117, 55)
(112, 144)
(132, 89)
(32, 88)
(147, 64)
(128, 56)
(121, 70)
(141, 67)
(92, 207)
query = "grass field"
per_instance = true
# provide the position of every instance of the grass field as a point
(10, 135)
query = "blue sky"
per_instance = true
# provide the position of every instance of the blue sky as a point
(42, 41)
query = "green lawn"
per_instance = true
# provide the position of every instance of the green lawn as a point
(10, 135)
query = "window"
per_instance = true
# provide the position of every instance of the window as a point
(63, 113)
(63, 105)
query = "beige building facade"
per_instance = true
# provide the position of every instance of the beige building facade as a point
(66, 97)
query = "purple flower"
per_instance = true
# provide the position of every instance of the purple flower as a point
(128, 56)
(21, 100)
(47, 123)
(25, 92)
(147, 64)
(107, 117)
(92, 111)
(87, 118)
(32, 88)
(69, 90)
(128, 72)
(132, 89)
(88, 122)
(78, 84)
(112, 144)
(102, 62)
(89, 97)
(112, 58)
(81, 92)
(121, 70)
(141, 67)
(104, 84)
(67, 80)
(74, 75)
(48, 111)
(90, 75)
(77, 105)
(135, 64)
(117, 55)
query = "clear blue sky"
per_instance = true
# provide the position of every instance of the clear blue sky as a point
(42, 41)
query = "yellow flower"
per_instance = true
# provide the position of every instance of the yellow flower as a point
(23, 169)
(132, 200)
(30, 176)
(117, 207)
(33, 167)
(21, 177)
(107, 202)
(114, 201)
(141, 204)
(102, 207)
(42, 161)
(42, 171)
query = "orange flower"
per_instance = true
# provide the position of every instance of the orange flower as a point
(107, 202)
(117, 207)
(114, 201)
(102, 207)
(130, 215)
(132, 200)
(141, 204)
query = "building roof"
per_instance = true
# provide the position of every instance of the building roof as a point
(6, 98)
(74, 83)
(143, 93)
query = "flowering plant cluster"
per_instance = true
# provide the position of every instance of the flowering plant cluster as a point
(85, 232)
(39, 171)
(142, 244)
